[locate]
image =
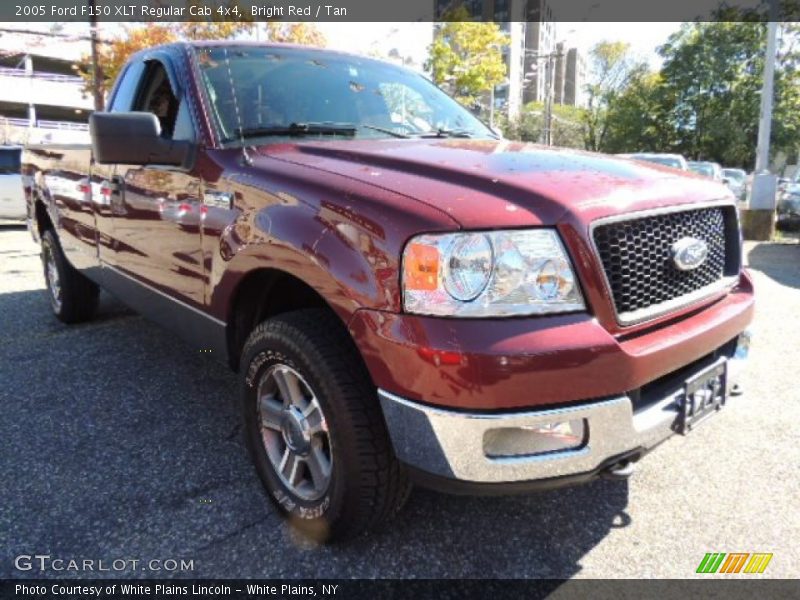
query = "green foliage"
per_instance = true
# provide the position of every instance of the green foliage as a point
(636, 120)
(711, 80)
(465, 57)
(614, 68)
(704, 102)
(568, 125)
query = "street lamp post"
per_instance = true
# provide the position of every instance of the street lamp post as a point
(96, 73)
(546, 136)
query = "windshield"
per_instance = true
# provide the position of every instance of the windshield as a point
(662, 160)
(702, 169)
(790, 204)
(734, 175)
(258, 92)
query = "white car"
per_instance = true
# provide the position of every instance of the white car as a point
(12, 197)
(706, 168)
(676, 161)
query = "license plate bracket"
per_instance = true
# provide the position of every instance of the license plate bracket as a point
(703, 396)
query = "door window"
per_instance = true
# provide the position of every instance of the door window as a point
(158, 97)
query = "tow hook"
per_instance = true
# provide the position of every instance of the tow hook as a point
(619, 471)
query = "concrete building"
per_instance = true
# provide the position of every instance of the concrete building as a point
(575, 79)
(559, 73)
(569, 76)
(41, 97)
(540, 43)
(531, 31)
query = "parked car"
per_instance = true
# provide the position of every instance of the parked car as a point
(711, 170)
(737, 181)
(405, 297)
(676, 161)
(12, 198)
(788, 209)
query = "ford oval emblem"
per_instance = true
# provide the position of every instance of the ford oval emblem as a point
(689, 253)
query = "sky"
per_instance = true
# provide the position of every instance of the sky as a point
(413, 39)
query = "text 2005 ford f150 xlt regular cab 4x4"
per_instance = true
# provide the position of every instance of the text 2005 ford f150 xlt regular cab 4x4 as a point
(405, 296)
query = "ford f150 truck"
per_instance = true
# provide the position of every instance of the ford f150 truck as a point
(406, 296)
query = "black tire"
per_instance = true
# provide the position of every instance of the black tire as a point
(73, 297)
(367, 485)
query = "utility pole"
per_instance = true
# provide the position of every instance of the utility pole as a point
(97, 75)
(548, 106)
(767, 93)
(546, 136)
(758, 222)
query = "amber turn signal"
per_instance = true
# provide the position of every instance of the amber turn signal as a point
(421, 267)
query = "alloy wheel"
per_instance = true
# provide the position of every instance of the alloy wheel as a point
(294, 432)
(53, 280)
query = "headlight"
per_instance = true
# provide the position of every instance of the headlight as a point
(489, 274)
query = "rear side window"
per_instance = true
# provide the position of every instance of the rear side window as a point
(9, 161)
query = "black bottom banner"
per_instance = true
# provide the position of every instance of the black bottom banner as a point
(415, 589)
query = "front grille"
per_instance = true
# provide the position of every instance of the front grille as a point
(637, 258)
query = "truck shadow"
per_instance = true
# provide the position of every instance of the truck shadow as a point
(780, 262)
(540, 535)
(145, 458)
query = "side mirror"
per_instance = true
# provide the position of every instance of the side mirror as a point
(725, 180)
(134, 138)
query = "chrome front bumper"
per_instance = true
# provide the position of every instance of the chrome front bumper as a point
(451, 445)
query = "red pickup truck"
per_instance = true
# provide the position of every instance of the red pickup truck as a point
(406, 296)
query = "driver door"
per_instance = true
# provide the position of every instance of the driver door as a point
(155, 210)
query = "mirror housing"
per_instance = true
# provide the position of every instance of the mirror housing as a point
(134, 138)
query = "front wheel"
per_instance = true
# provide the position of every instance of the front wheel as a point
(73, 297)
(314, 427)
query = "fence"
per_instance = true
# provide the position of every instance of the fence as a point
(20, 131)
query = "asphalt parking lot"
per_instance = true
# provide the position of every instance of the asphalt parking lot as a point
(120, 441)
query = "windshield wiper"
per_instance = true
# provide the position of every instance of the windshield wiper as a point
(387, 131)
(298, 129)
(445, 133)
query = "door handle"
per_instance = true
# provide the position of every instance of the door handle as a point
(218, 199)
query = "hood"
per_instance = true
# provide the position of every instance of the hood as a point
(497, 183)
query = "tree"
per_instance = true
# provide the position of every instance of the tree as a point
(305, 34)
(636, 121)
(113, 55)
(711, 79)
(568, 125)
(216, 26)
(211, 30)
(614, 67)
(466, 57)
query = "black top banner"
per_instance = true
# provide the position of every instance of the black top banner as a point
(403, 11)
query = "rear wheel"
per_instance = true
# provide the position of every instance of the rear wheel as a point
(73, 297)
(314, 427)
